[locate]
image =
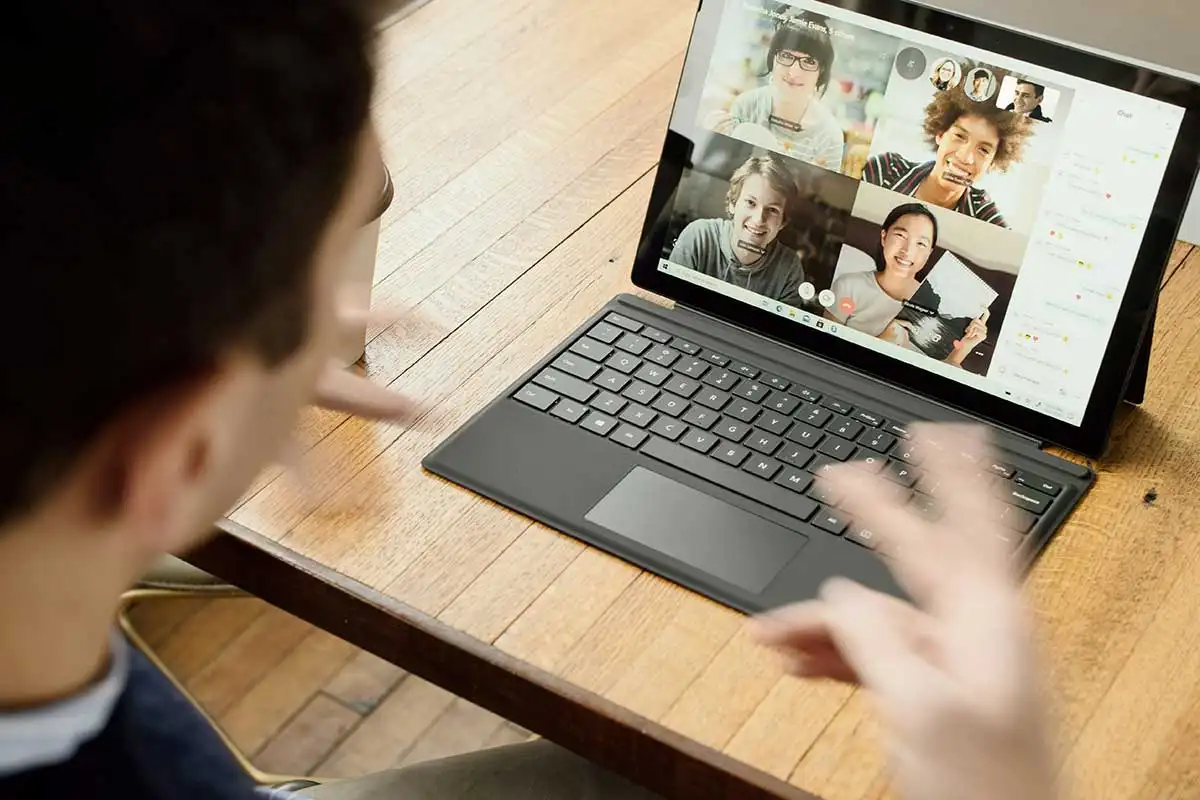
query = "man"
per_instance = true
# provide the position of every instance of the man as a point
(178, 229)
(969, 140)
(1027, 100)
(177, 226)
(744, 250)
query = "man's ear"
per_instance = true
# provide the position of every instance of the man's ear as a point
(155, 460)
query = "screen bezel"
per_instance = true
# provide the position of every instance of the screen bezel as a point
(1091, 436)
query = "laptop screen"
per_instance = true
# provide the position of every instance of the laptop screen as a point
(958, 210)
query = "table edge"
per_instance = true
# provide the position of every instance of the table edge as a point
(646, 752)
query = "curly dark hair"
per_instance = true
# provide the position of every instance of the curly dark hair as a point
(1012, 129)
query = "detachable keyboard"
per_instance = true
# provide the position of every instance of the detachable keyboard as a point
(752, 432)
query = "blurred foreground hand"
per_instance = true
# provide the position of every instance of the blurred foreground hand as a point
(341, 389)
(953, 677)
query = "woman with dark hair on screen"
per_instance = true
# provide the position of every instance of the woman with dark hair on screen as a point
(787, 113)
(870, 302)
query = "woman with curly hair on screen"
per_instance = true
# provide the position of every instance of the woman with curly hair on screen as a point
(969, 139)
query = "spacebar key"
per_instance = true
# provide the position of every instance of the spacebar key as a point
(734, 480)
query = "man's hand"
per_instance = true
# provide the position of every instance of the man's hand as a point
(954, 676)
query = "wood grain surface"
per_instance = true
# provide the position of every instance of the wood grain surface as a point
(523, 135)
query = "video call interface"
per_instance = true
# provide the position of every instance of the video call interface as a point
(975, 219)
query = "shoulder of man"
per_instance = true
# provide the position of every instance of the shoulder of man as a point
(886, 168)
(985, 208)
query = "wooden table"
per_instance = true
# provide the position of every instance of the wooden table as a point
(523, 136)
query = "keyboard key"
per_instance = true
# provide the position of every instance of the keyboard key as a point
(1001, 469)
(783, 403)
(752, 391)
(840, 406)
(668, 428)
(814, 415)
(536, 396)
(623, 363)
(613, 381)
(731, 454)
(623, 322)
(699, 441)
(765, 443)
(638, 415)
(714, 358)
(640, 392)
(745, 370)
(713, 399)
(731, 479)
(776, 382)
(877, 440)
(763, 467)
(867, 418)
(773, 422)
(740, 409)
(795, 479)
(798, 457)
(1024, 497)
(663, 356)
(566, 385)
(928, 485)
(908, 454)
(832, 520)
(590, 348)
(700, 417)
(823, 493)
(575, 365)
(846, 428)
(653, 374)
(655, 335)
(821, 465)
(609, 403)
(805, 435)
(807, 394)
(629, 436)
(1017, 519)
(605, 333)
(722, 379)
(693, 368)
(632, 343)
(598, 423)
(860, 534)
(902, 474)
(870, 463)
(684, 387)
(731, 429)
(837, 449)
(670, 404)
(1036, 482)
(926, 507)
(684, 346)
(897, 429)
(570, 411)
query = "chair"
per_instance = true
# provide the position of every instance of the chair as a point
(173, 578)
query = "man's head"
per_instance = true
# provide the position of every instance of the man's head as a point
(980, 83)
(800, 57)
(180, 184)
(970, 139)
(1028, 96)
(761, 199)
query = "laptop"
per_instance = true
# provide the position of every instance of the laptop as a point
(867, 213)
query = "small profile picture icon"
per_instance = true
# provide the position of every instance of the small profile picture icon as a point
(946, 74)
(980, 85)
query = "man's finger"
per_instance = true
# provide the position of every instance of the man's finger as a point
(913, 543)
(874, 644)
(342, 390)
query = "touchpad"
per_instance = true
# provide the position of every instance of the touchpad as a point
(701, 531)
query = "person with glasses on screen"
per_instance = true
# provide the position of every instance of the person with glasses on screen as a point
(787, 111)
